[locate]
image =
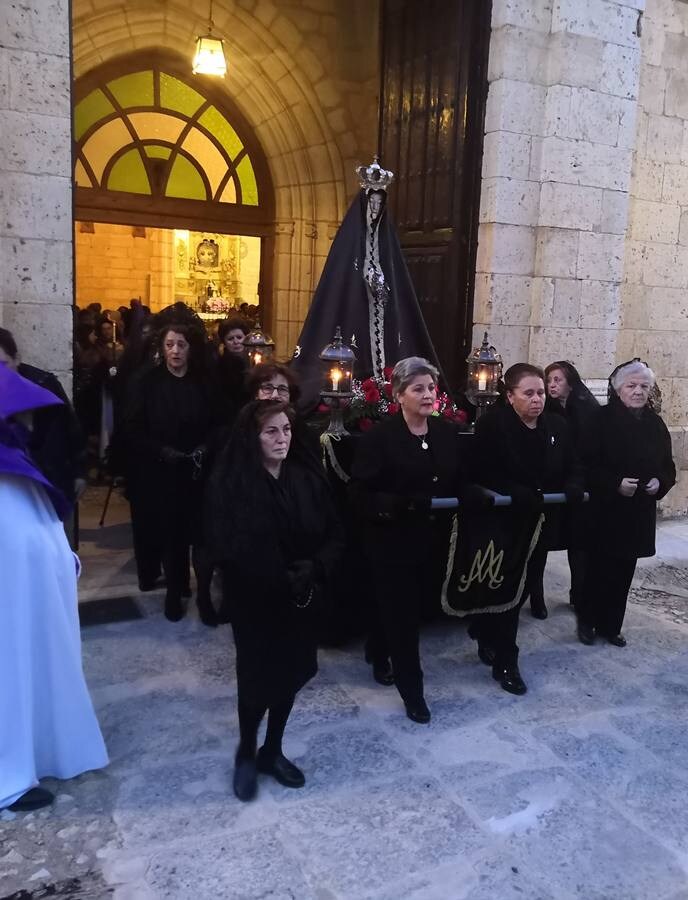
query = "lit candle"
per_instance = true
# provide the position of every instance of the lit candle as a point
(335, 375)
(257, 358)
(482, 380)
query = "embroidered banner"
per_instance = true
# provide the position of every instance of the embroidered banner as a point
(488, 557)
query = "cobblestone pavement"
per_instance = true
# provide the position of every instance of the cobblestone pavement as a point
(577, 789)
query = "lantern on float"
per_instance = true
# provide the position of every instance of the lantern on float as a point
(337, 366)
(484, 373)
(259, 345)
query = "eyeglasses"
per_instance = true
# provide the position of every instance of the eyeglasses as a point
(282, 389)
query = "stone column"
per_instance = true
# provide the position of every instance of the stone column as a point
(36, 291)
(560, 128)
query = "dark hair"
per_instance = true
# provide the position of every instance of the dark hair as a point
(264, 372)
(194, 336)
(82, 332)
(230, 325)
(8, 343)
(264, 409)
(516, 373)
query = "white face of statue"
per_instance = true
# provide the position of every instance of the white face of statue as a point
(375, 203)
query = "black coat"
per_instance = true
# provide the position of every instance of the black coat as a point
(279, 522)
(507, 456)
(393, 482)
(57, 444)
(164, 411)
(621, 445)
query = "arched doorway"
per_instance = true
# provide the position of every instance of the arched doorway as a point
(158, 148)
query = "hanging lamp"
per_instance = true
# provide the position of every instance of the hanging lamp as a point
(209, 57)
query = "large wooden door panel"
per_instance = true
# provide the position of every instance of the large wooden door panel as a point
(434, 88)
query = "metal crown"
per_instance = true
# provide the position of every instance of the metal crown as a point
(374, 177)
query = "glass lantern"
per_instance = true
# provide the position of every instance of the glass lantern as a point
(337, 364)
(259, 345)
(484, 372)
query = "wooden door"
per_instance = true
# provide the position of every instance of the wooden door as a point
(432, 107)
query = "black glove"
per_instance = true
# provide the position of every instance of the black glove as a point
(526, 498)
(475, 498)
(418, 502)
(575, 495)
(171, 456)
(300, 574)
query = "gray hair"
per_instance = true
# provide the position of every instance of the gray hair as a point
(633, 368)
(408, 369)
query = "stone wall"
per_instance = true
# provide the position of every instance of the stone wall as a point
(584, 213)
(35, 182)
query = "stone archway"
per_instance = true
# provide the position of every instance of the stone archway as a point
(306, 122)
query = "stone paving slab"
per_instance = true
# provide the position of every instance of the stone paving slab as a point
(576, 790)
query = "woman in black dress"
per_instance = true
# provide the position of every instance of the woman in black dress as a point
(231, 367)
(627, 451)
(273, 528)
(522, 451)
(168, 428)
(399, 466)
(567, 396)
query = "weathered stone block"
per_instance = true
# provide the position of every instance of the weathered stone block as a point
(653, 82)
(35, 206)
(35, 271)
(620, 70)
(592, 351)
(567, 301)
(665, 265)
(515, 106)
(503, 299)
(634, 306)
(39, 83)
(651, 221)
(683, 229)
(600, 305)
(652, 42)
(43, 333)
(585, 163)
(615, 209)
(557, 252)
(600, 257)
(506, 249)
(35, 144)
(519, 54)
(675, 51)
(570, 206)
(533, 14)
(575, 60)
(506, 153)
(509, 201)
(597, 19)
(664, 139)
(648, 179)
(675, 186)
(558, 111)
(42, 27)
(512, 340)
(668, 309)
(596, 116)
(542, 301)
(676, 97)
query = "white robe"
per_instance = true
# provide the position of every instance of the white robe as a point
(47, 723)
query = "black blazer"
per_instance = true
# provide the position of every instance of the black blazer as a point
(503, 460)
(393, 482)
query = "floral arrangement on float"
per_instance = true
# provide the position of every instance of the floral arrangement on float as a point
(218, 305)
(372, 400)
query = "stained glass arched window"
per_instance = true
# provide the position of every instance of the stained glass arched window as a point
(150, 132)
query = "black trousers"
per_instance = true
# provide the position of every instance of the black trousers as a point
(578, 565)
(399, 599)
(602, 605)
(498, 631)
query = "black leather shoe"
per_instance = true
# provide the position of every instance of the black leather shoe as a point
(245, 781)
(174, 608)
(206, 611)
(281, 769)
(382, 672)
(36, 798)
(486, 654)
(418, 711)
(510, 680)
(586, 634)
(538, 610)
(618, 640)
